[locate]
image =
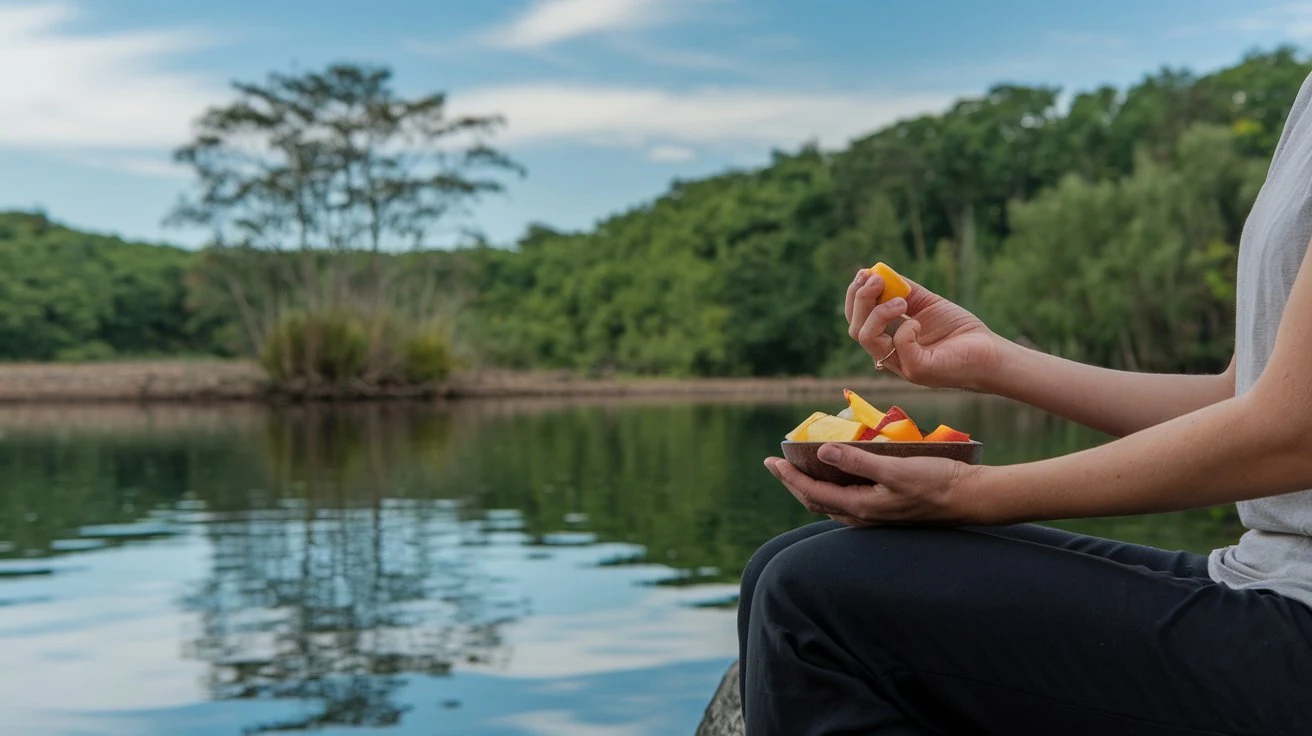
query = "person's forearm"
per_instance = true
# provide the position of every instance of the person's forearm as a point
(1116, 402)
(1237, 449)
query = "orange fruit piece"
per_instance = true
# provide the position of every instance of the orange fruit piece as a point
(903, 430)
(894, 285)
(944, 433)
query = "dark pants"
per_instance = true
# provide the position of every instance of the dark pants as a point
(1011, 630)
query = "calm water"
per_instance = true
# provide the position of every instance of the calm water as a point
(540, 568)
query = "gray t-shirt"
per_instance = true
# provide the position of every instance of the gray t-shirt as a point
(1276, 552)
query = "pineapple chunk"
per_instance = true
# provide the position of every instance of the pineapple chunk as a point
(834, 429)
(799, 432)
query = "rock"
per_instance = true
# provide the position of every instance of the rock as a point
(724, 716)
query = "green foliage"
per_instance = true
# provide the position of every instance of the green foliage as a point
(1130, 272)
(70, 295)
(1106, 231)
(328, 346)
(428, 356)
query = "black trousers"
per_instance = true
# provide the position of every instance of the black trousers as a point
(1011, 630)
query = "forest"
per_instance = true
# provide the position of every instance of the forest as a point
(1101, 225)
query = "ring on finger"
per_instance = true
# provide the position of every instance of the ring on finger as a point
(879, 364)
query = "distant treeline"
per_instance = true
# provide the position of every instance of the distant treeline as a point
(1103, 228)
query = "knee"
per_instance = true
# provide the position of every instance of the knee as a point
(757, 563)
(878, 565)
(802, 573)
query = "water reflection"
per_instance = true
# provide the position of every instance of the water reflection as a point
(338, 561)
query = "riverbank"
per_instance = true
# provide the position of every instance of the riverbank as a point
(220, 381)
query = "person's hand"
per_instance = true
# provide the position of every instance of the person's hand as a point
(924, 490)
(940, 344)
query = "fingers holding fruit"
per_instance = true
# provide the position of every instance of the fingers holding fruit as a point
(918, 334)
(872, 334)
(849, 302)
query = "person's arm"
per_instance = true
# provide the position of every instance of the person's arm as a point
(1255, 445)
(1111, 401)
(942, 344)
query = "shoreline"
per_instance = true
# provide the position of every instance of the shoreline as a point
(220, 381)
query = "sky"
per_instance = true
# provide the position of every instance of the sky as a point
(606, 101)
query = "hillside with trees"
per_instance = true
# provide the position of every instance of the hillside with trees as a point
(1102, 225)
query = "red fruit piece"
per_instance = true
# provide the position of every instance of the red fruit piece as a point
(895, 414)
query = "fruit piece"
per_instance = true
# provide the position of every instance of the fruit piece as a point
(833, 429)
(895, 414)
(944, 433)
(894, 285)
(799, 432)
(903, 430)
(862, 411)
(867, 435)
(846, 414)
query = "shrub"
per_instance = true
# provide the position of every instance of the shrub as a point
(331, 347)
(428, 356)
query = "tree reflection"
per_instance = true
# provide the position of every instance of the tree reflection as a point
(331, 586)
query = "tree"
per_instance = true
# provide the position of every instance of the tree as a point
(332, 162)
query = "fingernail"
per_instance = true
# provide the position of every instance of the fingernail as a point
(770, 467)
(898, 302)
(861, 277)
(828, 453)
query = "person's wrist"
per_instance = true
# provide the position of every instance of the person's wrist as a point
(989, 375)
(969, 501)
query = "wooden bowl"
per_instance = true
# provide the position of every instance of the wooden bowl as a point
(803, 456)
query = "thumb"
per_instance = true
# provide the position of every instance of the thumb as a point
(855, 461)
(907, 336)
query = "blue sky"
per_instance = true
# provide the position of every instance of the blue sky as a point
(607, 101)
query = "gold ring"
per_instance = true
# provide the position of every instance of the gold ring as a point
(879, 364)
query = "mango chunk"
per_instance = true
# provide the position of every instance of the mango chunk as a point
(862, 410)
(894, 285)
(903, 430)
(944, 433)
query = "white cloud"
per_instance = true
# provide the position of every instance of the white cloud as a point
(1291, 20)
(549, 22)
(640, 118)
(683, 58)
(666, 153)
(106, 89)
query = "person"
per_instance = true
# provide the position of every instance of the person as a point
(930, 604)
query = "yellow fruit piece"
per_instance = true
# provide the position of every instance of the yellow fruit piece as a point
(894, 285)
(799, 432)
(833, 429)
(903, 430)
(862, 410)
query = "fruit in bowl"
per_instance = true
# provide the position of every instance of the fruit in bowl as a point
(861, 425)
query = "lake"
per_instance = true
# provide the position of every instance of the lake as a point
(488, 567)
